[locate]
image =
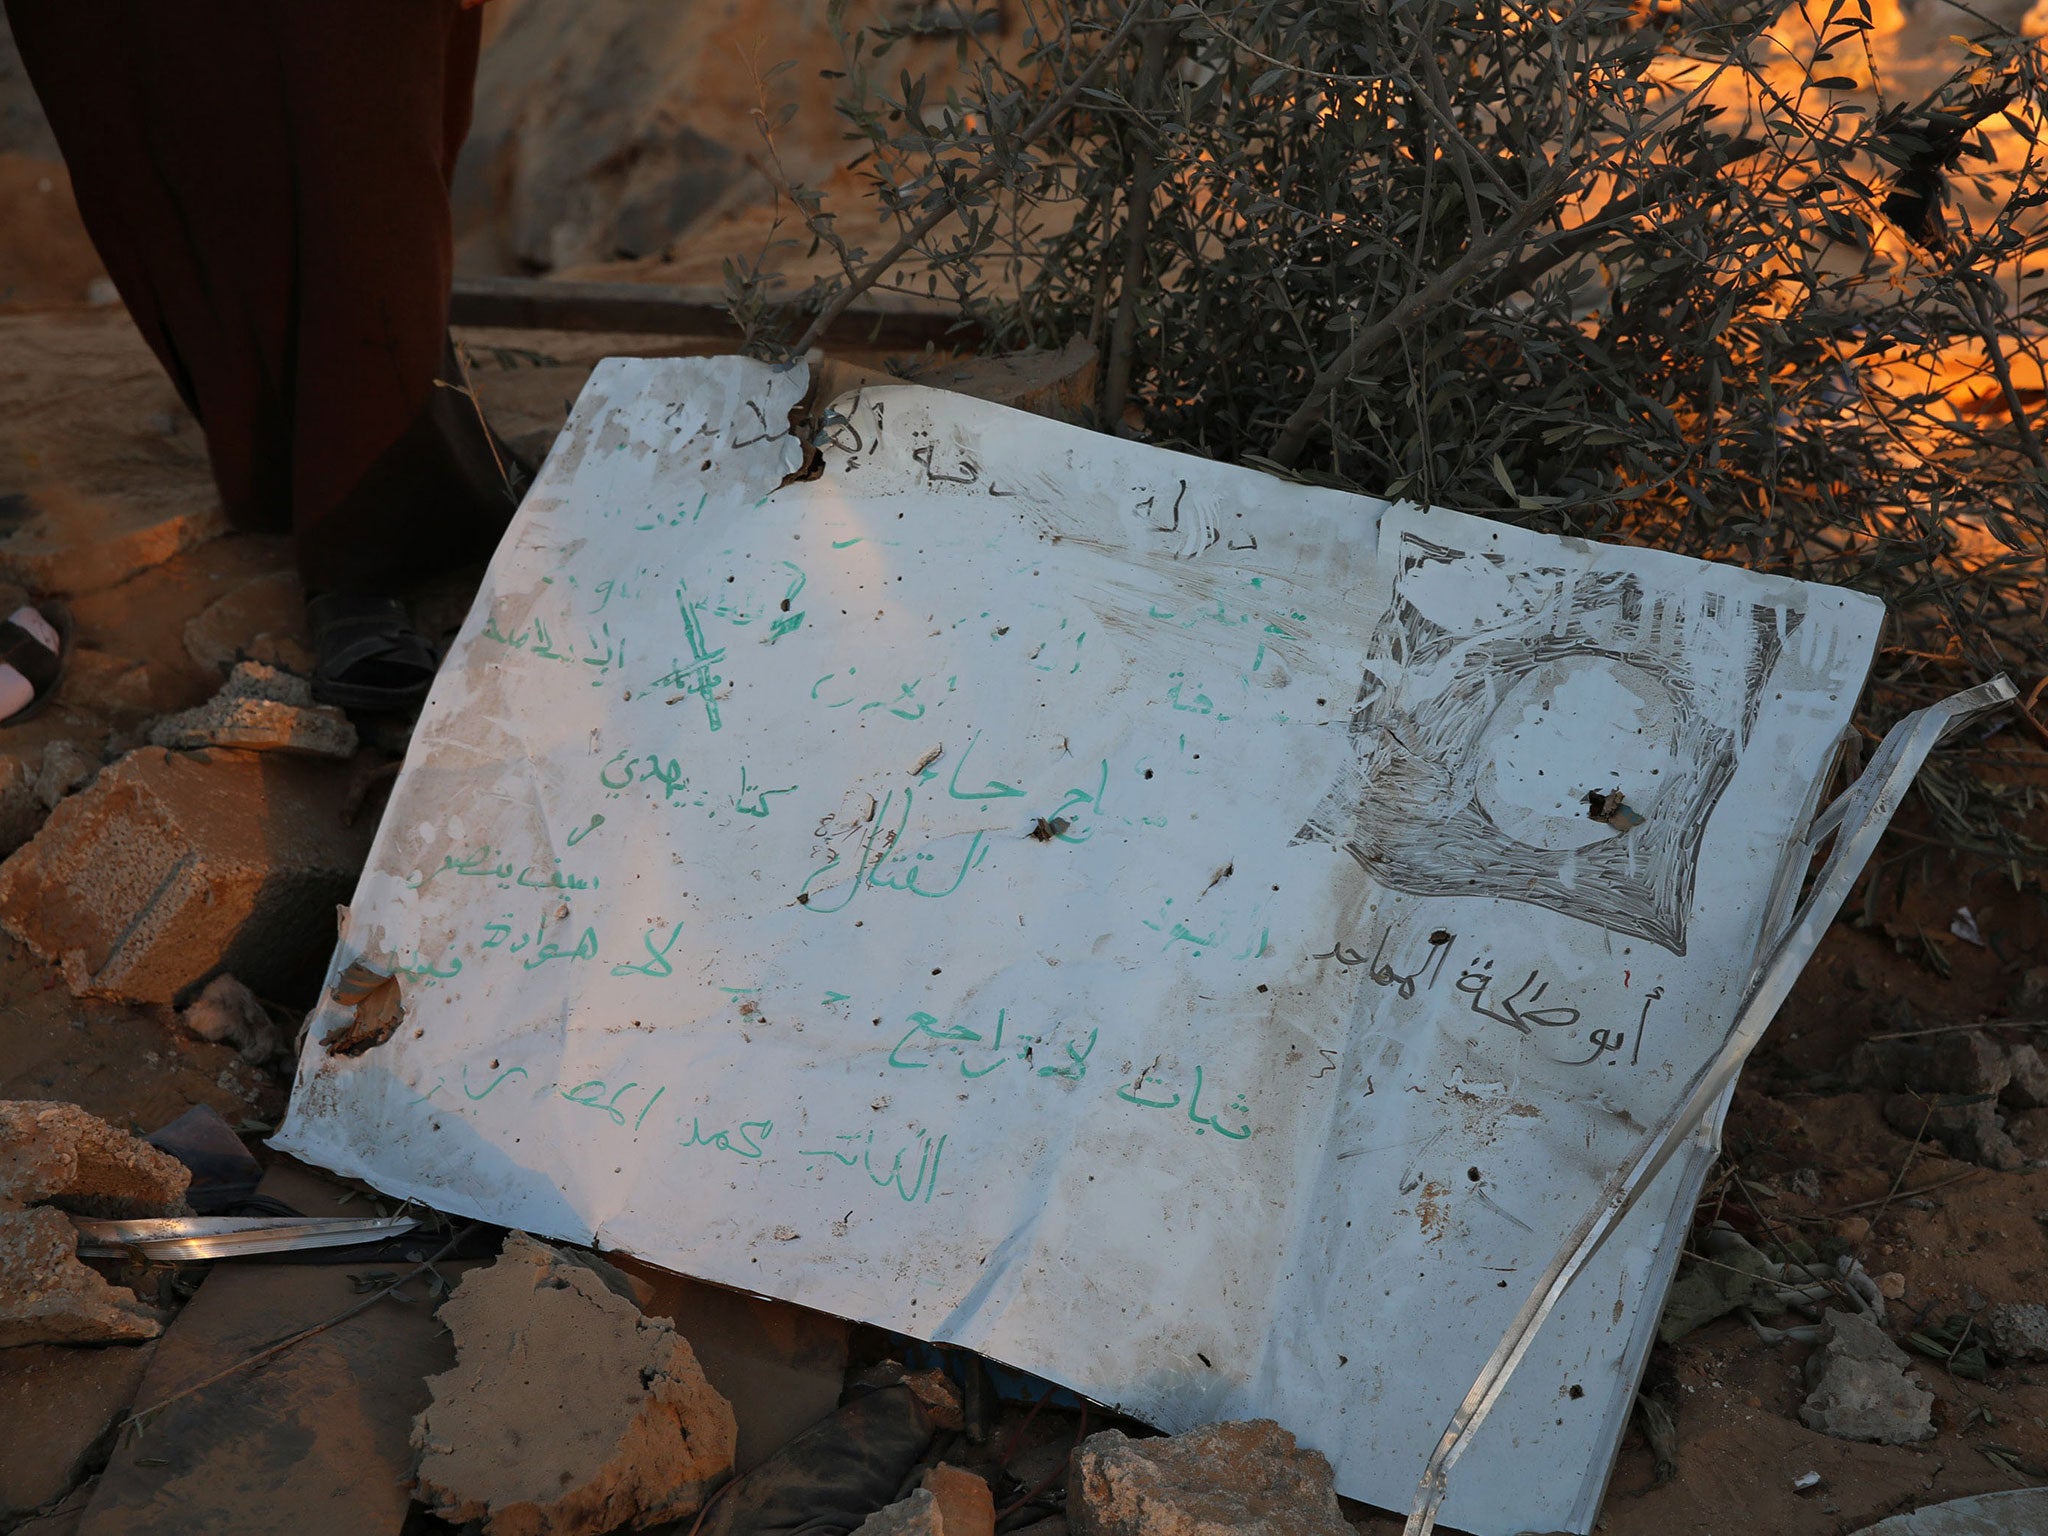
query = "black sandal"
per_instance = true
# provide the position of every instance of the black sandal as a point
(370, 656)
(35, 661)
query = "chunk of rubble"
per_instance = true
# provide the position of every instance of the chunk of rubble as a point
(171, 868)
(59, 1153)
(1238, 1479)
(967, 1507)
(568, 1412)
(260, 709)
(2019, 1330)
(2028, 1087)
(65, 768)
(1860, 1387)
(1968, 1125)
(48, 1297)
(918, 1515)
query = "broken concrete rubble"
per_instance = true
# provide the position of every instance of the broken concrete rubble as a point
(568, 1411)
(58, 1152)
(966, 1506)
(66, 768)
(1968, 1125)
(918, 1515)
(1234, 1479)
(2028, 1085)
(49, 1297)
(172, 867)
(2019, 1330)
(1860, 1387)
(262, 709)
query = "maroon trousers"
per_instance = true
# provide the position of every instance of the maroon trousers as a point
(267, 183)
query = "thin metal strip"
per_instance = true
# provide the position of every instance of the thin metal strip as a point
(1866, 809)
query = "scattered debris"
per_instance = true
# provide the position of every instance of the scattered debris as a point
(378, 1010)
(261, 709)
(1733, 1275)
(1805, 1482)
(844, 1467)
(2028, 1086)
(2019, 1330)
(966, 1506)
(49, 1297)
(2013, 1512)
(1248, 1478)
(1610, 806)
(279, 1396)
(172, 867)
(227, 1013)
(568, 1410)
(1860, 1390)
(918, 1515)
(60, 1154)
(63, 538)
(66, 769)
(1964, 926)
(1969, 1126)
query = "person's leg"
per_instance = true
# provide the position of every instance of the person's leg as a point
(170, 119)
(394, 473)
(268, 185)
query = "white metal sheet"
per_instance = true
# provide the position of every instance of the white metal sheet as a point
(1125, 914)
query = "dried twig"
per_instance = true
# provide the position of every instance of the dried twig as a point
(991, 169)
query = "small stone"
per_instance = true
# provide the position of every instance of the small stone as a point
(66, 768)
(48, 1297)
(568, 1412)
(918, 1515)
(1968, 1126)
(1237, 1479)
(966, 1506)
(57, 1152)
(2019, 1330)
(1860, 1387)
(1891, 1285)
(2028, 1088)
(260, 709)
(1852, 1229)
(1968, 1062)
